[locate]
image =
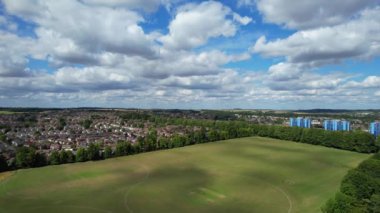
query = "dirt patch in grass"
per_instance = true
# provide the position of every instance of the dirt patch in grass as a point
(4, 176)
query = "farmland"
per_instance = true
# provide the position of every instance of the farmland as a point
(239, 175)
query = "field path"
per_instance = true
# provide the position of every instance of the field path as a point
(277, 188)
(286, 195)
(127, 193)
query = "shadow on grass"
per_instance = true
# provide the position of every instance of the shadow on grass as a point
(184, 189)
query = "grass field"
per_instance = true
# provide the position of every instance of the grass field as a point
(6, 112)
(241, 175)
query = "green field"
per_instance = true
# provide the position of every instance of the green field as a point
(6, 112)
(241, 175)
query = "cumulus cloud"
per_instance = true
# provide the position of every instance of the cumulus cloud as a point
(241, 3)
(309, 82)
(305, 51)
(181, 63)
(100, 55)
(147, 5)
(7, 24)
(368, 82)
(299, 14)
(285, 71)
(357, 38)
(194, 24)
(13, 53)
(93, 28)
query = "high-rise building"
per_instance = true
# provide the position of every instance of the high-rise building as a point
(336, 125)
(374, 128)
(327, 124)
(300, 122)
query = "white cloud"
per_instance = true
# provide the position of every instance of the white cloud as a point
(307, 50)
(368, 82)
(309, 82)
(7, 24)
(285, 71)
(94, 28)
(108, 60)
(358, 38)
(194, 24)
(13, 53)
(241, 3)
(300, 14)
(147, 5)
(242, 20)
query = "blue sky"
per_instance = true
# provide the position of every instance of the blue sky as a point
(190, 54)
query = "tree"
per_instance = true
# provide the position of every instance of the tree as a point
(63, 156)
(358, 185)
(25, 157)
(370, 167)
(178, 140)
(121, 148)
(151, 141)
(93, 152)
(213, 135)
(54, 158)
(86, 123)
(374, 205)
(340, 204)
(378, 142)
(376, 156)
(107, 152)
(139, 145)
(70, 157)
(40, 159)
(81, 155)
(163, 143)
(3, 138)
(3, 164)
(62, 123)
(130, 148)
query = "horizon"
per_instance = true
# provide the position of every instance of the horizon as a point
(179, 54)
(195, 109)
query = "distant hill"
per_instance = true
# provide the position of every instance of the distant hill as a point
(335, 110)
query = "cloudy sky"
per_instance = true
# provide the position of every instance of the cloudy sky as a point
(277, 54)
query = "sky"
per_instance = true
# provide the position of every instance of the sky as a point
(250, 54)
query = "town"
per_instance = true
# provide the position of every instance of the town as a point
(71, 129)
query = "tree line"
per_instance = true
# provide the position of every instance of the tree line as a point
(359, 190)
(203, 131)
(357, 141)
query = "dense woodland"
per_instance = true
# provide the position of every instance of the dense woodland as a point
(359, 190)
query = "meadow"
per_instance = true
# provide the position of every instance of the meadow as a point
(6, 112)
(239, 175)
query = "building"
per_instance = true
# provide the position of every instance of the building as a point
(374, 128)
(337, 125)
(300, 122)
(315, 122)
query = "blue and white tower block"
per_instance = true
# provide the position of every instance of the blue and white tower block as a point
(300, 122)
(374, 128)
(337, 125)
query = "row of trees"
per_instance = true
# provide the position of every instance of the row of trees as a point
(359, 190)
(207, 131)
(357, 141)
